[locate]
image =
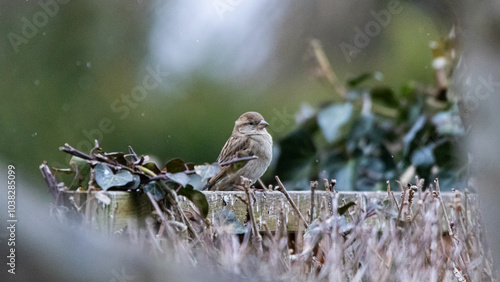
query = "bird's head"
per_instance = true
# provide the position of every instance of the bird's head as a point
(251, 123)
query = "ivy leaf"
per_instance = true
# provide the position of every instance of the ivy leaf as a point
(195, 181)
(207, 171)
(423, 156)
(384, 96)
(134, 184)
(448, 123)
(353, 82)
(343, 209)
(227, 221)
(334, 121)
(117, 157)
(152, 167)
(156, 190)
(445, 155)
(179, 177)
(197, 198)
(312, 236)
(81, 168)
(412, 134)
(106, 179)
(175, 165)
(338, 166)
(297, 155)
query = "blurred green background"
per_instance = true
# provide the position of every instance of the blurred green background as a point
(73, 71)
(68, 70)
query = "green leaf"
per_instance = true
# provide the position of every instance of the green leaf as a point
(134, 184)
(312, 236)
(353, 82)
(175, 165)
(152, 167)
(118, 157)
(334, 121)
(384, 96)
(197, 198)
(227, 222)
(448, 123)
(446, 156)
(82, 173)
(207, 171)
(423, 156)
(363, 127)
(179, 177)
(195, 181)
(238, 165)
(106, 179)
(339, 167)
(411, 137)
(343, 209)
(296, 156)
(155, 189)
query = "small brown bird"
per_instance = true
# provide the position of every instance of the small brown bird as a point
(249, 138)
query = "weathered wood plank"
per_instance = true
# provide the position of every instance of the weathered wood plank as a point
(268, 205)
(124, 209)
(132, 208)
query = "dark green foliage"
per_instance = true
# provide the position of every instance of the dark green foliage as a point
(156, 190)
(196, 197)
(81, 168)
(129, 172)
(375, 135)
(107, 179)
(227, 222)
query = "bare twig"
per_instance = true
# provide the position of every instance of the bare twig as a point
(282, 189)
(157, 207)
(51, 182)
(403, 197)
(257, 236)
(93, 158)
(235, 160)
(262, 184)
(172, 198)
(437, 194)
(326, 68)
(332, 184)
(388, 190)
(327, 184)
(314, 185)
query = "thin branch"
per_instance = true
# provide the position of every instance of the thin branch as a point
(326, 68)
(314, 185)
(262, 184)
(282, 189)
(246, 187)
(235, 160)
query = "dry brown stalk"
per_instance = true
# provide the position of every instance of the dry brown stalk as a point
(283, 190)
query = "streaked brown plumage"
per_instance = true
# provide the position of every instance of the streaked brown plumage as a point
(249, 138)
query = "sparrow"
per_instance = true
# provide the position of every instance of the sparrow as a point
(249, 138)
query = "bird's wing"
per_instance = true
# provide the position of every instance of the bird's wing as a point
(235, 144)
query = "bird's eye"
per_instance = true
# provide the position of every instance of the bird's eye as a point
(251, 123)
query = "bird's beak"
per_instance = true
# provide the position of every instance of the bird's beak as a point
(262, 124)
